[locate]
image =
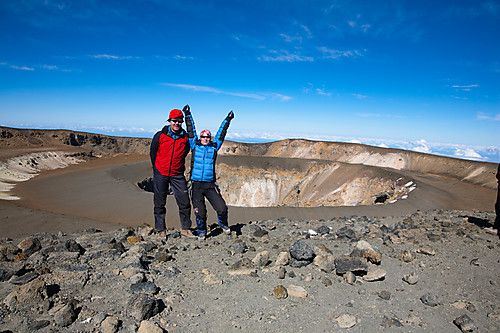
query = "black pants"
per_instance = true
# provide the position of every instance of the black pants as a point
(161, 184)
(497, 205)
(202, 190)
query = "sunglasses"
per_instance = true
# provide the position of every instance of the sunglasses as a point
(205, 137)
(179, 121)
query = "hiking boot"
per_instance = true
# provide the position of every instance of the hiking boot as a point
(227, 231)
(201, 238)
(161, 235)
(187, 233)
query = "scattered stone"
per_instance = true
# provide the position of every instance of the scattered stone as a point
(350, 278)
(281, 272)
(66, 315)
(465, 323)
(411, 278)
(211, 279)
(261, 259)
(388, 322)
(30, 245)
(296, 291)
(298, 263)
(363, 249)
(242, 267)
(323, 230)
(321, 249)
(171, 271)
(375, 275)
(134, 239)
(23, 279)
(385, 295)
(348, 264)
(149, 327)
(145, 287)
(260, 233)
(280, 292)
(433, 237)
(326, 263)
(427, 250)
(72, 246)
(326, 281)
(346, 321)
(406, 256)
(38, 324)
(301, 251)
(110, 324)
(144, 306)
(346, 233)
(33, 292)
(240, 247)
(283, 259)
(430, 299)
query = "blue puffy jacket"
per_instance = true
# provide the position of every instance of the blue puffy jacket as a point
(203, 157)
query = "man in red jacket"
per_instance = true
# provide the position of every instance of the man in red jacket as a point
(168, 152)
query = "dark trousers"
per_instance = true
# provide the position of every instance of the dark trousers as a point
(161, 185)
(209, 190)
(497, 205)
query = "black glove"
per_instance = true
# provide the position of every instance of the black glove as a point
(230, 115)
(187, 110)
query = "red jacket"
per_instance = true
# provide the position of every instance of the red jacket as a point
(168, 151)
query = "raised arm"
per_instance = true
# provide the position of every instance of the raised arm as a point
(190, 128)
(221, 133)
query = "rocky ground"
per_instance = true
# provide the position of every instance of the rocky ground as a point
(435, 271)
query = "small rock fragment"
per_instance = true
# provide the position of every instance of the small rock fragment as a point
(411, 278)
(296, 291)
(283, 259)
(280, 292)
(346, 321)
(134, 239)
(375, 275)
(242, 267)
(465, 323)
(430, 299)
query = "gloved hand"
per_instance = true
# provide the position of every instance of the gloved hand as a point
(187, 110)
(230, 115)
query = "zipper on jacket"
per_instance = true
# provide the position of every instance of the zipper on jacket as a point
(171, 159)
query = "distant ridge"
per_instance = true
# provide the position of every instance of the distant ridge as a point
(479, 173)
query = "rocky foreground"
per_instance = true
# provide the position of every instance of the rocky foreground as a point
(432, 271)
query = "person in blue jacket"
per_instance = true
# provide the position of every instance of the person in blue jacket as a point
(203, 157)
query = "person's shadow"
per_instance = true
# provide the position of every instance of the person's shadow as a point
(482, 223)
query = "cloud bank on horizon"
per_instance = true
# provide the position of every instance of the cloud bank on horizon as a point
(404, 73)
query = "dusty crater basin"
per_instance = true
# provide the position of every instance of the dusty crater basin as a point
(251, 181)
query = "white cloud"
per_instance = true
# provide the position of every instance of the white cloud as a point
(284, 55)
(322, 92)
(49, 67)
(261, 96)
(421, 147)
(22, 68)
(336, 54)
(489, 116)
(111, 57)
(468, 153)
(179, 57)
(290, 39)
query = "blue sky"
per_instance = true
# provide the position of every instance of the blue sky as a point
(420, 75)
